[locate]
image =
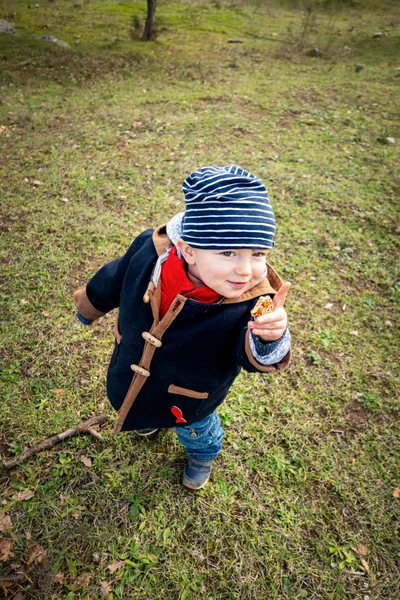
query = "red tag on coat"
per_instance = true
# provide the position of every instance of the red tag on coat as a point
(178, 414)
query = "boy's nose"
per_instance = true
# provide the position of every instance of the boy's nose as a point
(243, 267)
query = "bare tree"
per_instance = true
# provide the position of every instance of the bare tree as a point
(150, 26)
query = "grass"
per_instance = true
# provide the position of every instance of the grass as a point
(96, 141)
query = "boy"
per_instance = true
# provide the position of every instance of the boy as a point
(184, 292)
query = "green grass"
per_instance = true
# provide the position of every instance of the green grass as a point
(95, 143)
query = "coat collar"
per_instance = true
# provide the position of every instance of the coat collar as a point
(269, 285)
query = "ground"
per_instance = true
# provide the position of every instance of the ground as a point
(96, 141)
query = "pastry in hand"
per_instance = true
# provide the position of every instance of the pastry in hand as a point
(264, 306)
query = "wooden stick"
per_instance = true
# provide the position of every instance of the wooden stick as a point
(84, 427)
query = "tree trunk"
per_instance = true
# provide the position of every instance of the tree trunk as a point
(150, 27)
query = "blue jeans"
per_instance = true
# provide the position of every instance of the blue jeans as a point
(202, 440)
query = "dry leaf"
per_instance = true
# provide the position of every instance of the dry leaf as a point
(365, 564)
(361, 550)
(25, 495)
(76, 514)
(57, 391)
(86, 461)
(58, 578)
(5, 522)
(62, 499)
(354, 332)
(5, 549)
(115, 565)
(82, 581)
(328, 305)
(396, 493)
(37, 182)
(37, 554)
(105, 589)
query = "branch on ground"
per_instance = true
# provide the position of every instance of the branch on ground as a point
(84, 427)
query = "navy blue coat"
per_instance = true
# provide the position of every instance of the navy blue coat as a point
(175, 371)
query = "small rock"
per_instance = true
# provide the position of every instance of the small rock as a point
(54, 40)
(6, 28)
(386, 140)
(358, 68)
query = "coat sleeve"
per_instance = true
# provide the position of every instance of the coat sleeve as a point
(247, 361)
(249, 349)
(102, 293)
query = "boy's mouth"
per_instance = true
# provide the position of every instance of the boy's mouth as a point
(238, 284)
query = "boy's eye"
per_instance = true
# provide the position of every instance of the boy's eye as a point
(259, 254)
(227, 253)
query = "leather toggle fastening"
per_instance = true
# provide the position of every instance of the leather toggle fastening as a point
(140, 370)
(151, 339)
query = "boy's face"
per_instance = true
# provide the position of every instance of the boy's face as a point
(228, 272)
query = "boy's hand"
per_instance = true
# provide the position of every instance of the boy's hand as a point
(271, 327)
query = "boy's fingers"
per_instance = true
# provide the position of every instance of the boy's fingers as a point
(281, 294)
(277, 315)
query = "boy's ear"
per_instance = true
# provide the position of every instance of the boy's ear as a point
(187, 252)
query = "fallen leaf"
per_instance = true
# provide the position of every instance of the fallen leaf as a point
(25, 495)
(57, 391)
(6, 546)
(23, 301)
(62, 499)
(58, 578)
(115, 565)
(361, 550)
(86, 461)
(365, 564)
(5, 522)
(354, 332)
(396, 493)
(37, 182)
(105, 589)
(37, 554)
(328, 305)
(81, 581)
(76, 514)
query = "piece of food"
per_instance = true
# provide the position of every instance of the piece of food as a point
(264, 306)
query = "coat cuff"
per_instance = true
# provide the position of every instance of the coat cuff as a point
(85, 307)
(270, 353)
(279, 366)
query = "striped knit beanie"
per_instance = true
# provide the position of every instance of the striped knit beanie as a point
(227, 207)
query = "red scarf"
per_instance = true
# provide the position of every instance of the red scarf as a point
(174, 281)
